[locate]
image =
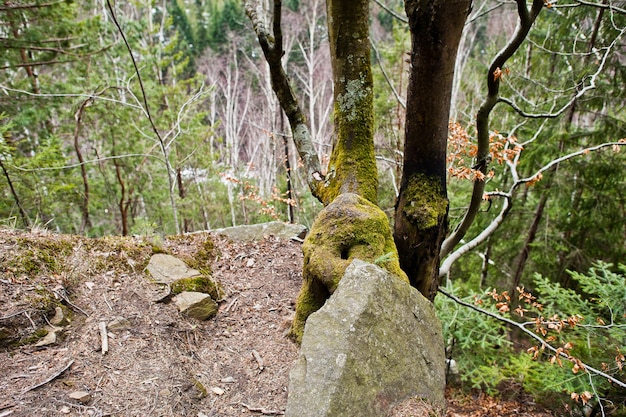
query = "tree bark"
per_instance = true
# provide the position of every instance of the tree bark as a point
(352, 165)
(422, 206)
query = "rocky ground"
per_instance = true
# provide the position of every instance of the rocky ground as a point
(158, 363)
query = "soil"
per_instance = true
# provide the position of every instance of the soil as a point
(158, 362)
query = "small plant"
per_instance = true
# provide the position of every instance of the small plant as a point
(574, 342)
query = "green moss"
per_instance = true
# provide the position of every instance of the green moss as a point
(37, 255)
(201, 252)
(34, 337)
(352, 166)
(349, 228)
(200, 389)
(204, 284)
(120, 254)
(425, 203)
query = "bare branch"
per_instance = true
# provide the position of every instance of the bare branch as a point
(526, 20)
(399, 98)
(273, 52)
(585, 87)
(482, 236)
(391, 12)
(530, 333)
(59, 95)
(170, 170)
(508, 198)
(572, 155)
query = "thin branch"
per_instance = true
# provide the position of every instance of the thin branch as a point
(91, 161)
(273, 52)
(526, 20)
(51, 378)
(61, 95)
(170, 171)
(482, 236)
(557, 161)
(508, 196)
(399, 98)
(579, 93)
(530, 333)
(391, 12)
(35, 64)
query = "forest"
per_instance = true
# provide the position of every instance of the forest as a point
(158, 117)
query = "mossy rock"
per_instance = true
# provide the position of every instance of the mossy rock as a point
(349, 228)
(203, 283)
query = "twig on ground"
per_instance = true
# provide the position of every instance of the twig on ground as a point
(104, 337)
(51, 378)
(259, 359)
(263, 411)
(231, 305)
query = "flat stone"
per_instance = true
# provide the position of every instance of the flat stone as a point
(166, 269)
(81, 396)
(119, 323)
(375, 343)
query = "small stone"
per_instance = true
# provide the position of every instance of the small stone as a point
(81, 396)
(119, 323)
(217, 391)
(196, 305)
(165, 392)
(59, 318)
(65, 410)
(50, 338)
(228, 380)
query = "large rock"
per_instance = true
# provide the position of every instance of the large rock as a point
(376, 342)
(257, 232)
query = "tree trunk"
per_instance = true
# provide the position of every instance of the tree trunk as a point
(422, 207)
(352, 165)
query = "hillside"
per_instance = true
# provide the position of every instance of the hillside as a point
(158, 362)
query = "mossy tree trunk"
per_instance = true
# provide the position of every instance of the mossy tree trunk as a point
(421, 211)
(352, 166)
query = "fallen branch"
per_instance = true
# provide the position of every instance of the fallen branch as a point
(259, 359)
(263, 411)
(104, 337)
(51, 378)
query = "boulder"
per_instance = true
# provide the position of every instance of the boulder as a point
(257, 232)
(196, 305)
(375, 343)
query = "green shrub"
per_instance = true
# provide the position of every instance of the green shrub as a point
(586, 327)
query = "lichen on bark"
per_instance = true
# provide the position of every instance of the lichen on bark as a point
(349, 228)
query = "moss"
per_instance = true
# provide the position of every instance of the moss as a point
(120, 254)
(200, 389)
(349, 228)
(37, 255)
(426, 204)
(34, 337)
(201, 251)
(204, 284)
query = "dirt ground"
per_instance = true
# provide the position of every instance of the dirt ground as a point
(158, 362)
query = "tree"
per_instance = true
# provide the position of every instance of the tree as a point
(351, 225)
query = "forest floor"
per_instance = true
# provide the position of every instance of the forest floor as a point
(158, 362)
